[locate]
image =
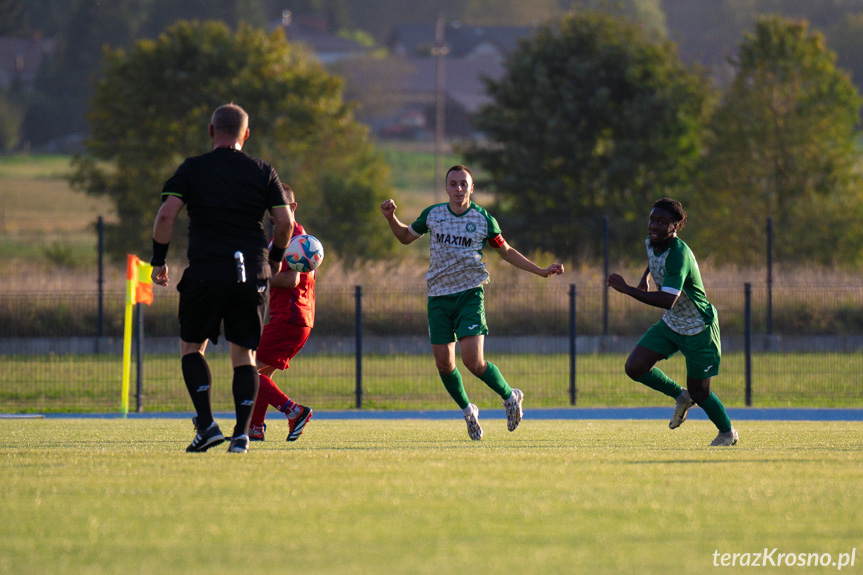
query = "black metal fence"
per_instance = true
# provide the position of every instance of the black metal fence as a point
(560, 343)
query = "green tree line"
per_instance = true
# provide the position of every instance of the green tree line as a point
(705, 31)
(596, 116)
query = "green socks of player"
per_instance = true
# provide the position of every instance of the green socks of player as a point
(454, 386)
(492, 378)
(656, 379)
(716, 412)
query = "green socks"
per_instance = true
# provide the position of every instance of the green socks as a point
(656, 379)
(453, 384)
(492, 378)
(714, 409)
(716, 412)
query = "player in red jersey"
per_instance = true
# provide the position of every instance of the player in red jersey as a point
(292, 316)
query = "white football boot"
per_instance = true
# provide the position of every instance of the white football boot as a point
(726, 439)
(513, 409)
(473, 428)
(684, 404)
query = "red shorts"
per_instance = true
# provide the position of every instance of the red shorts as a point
(280, 342)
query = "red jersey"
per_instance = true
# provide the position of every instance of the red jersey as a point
(295, 305)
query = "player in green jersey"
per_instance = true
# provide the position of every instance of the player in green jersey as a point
(459, 230)
(690, 324)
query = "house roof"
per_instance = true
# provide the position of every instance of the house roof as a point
(325, 46)
(462, 79)
(463, 41)
(315, 34)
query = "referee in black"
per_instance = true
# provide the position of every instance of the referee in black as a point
(227, 193)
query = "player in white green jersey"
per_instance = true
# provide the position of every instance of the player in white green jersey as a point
(690, 324)
(459, 230)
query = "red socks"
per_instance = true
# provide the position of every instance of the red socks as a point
(269, 394)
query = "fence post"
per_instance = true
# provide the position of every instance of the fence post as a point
(358, 304)
(605, 270)
(100, 228)
(747, 342)
(769, 275)
(573, 390)
(139, 355)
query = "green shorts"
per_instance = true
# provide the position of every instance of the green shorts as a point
(452, 317)
(703, 351)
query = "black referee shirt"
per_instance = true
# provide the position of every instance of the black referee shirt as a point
(227, 193)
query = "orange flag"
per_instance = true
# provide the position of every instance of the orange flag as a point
(139, 282)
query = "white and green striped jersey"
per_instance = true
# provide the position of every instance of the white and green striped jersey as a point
(676, 271)
(455, 262)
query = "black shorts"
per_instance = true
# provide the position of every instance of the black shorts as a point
(204, 304)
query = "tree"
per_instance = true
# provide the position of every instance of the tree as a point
(648, 13)
(591, 119)
(152, 106)
(161, 14)
(60, 104)
(503, 12)
(782, 144)
(13, 18)
(46, 16)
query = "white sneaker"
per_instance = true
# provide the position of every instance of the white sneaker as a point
(473, 428)
(684, 403)
(726, 439)
(513, 409)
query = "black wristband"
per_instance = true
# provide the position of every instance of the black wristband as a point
(160, 252)
(277, 254)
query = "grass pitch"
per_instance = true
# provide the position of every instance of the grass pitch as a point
(107, 496)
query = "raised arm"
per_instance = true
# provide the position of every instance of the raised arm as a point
(400, 231)
(514, 257)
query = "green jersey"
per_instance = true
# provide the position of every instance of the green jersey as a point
(676, 271)
(455, 262)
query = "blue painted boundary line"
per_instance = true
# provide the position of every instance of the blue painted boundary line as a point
(620, 413)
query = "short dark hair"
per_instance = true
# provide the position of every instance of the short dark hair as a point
(459, 168)
(289, 191)
(230, 119)
(674, 208)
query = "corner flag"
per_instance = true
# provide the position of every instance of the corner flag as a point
(139, 289)
(140, 284)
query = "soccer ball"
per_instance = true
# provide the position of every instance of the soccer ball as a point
(304, 253)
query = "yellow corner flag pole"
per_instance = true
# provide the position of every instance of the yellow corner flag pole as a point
(131, 277)
(139, 289)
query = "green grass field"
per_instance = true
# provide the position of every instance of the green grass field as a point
(103, 496)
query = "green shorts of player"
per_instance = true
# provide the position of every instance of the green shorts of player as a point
(452, 317)
(703, 351)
